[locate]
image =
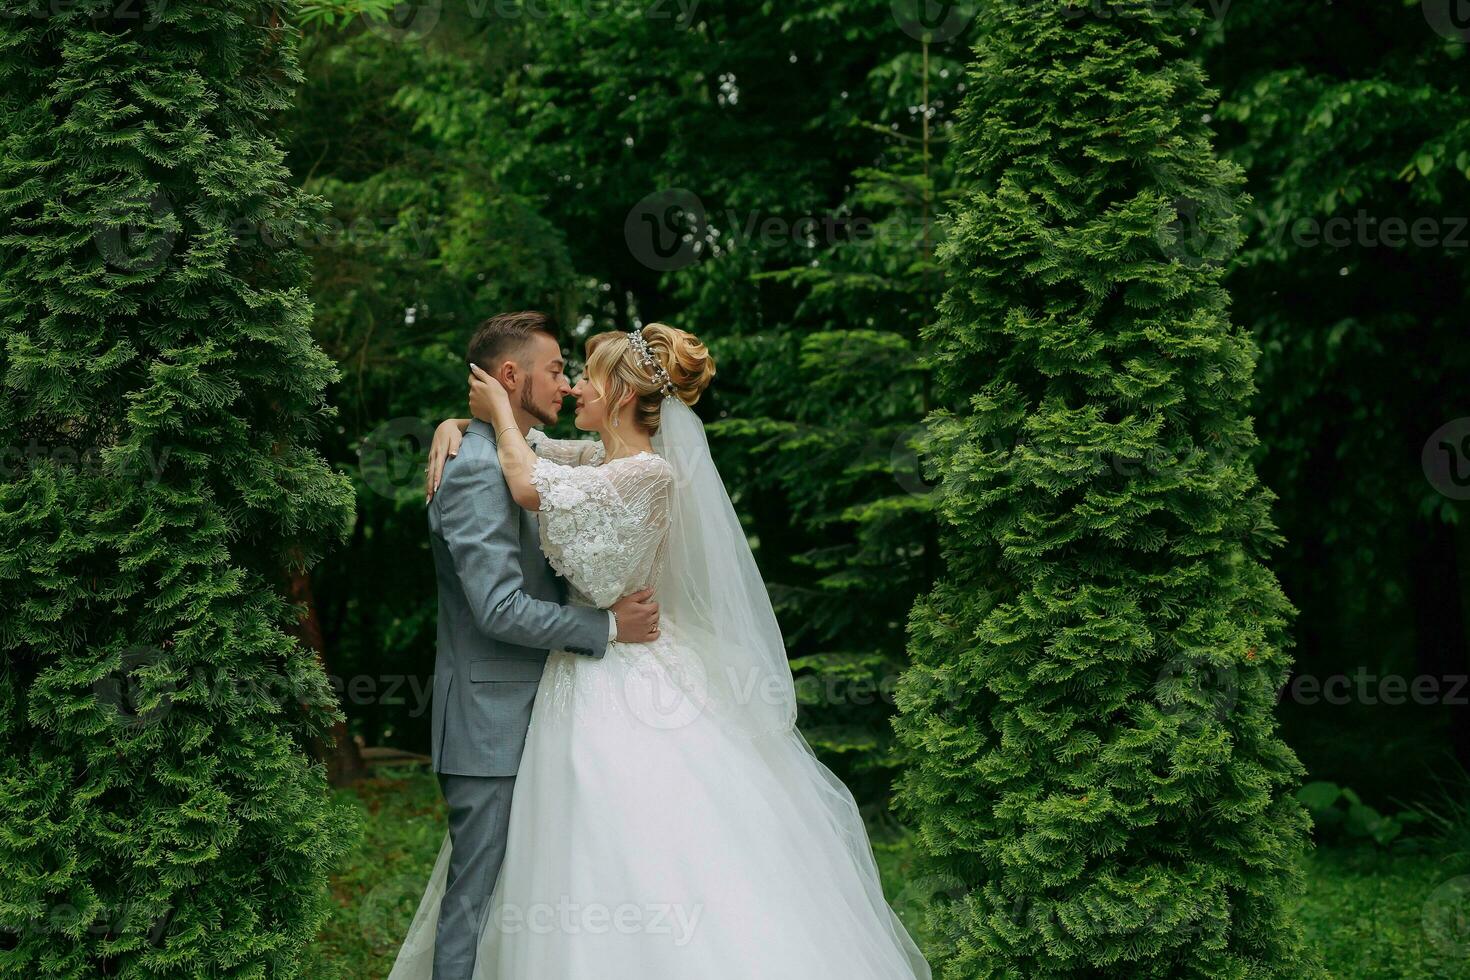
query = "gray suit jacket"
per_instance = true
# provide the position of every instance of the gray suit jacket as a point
(499, 615)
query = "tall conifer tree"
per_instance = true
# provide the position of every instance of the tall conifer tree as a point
(1097, 774)
(161, 816)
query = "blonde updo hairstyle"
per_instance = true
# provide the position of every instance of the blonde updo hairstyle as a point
(614, 368)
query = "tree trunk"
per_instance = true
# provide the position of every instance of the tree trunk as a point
(1441, 574)
(344, 761)
(1460, 704)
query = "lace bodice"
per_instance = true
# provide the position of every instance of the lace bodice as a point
(604, 528)
(568, 452)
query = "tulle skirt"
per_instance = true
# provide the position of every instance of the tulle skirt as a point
(650, 841)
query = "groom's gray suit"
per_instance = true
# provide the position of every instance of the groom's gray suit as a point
(499, 614)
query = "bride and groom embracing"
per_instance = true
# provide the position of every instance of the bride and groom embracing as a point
(669, 821)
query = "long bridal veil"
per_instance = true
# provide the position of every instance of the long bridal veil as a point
(712, 593)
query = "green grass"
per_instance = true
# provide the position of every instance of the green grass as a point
(1365, 909)
(378, 890)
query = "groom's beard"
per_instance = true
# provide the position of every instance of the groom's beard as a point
(529, 406)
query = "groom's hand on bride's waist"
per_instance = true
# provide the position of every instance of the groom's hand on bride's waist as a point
(637, 616)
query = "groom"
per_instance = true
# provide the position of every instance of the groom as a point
(500, 613)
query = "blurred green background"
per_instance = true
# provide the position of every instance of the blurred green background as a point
(774, 179)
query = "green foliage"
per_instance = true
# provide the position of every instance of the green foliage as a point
(1337, 810)
(424, 242)
(1374, 916)
(810, 272)
(831, 437)
(490, 161)
(495, 153)
(1096, 772)
(1349, 129)
(161, 393)
(381, 881)
(1447, 822)
(336, 13)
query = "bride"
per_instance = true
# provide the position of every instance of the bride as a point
(669, 822)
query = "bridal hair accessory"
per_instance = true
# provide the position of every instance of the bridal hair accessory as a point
(645, 356)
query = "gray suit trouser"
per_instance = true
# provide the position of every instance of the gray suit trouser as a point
(479, 819)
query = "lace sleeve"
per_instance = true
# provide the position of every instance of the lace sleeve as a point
(603, 527)
(568, 452)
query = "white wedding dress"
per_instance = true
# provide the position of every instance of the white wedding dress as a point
(657, 832)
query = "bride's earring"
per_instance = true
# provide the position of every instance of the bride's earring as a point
(615, 421)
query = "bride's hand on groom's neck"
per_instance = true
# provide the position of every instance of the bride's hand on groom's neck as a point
(443, 448)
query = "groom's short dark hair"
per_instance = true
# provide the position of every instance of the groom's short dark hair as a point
(504, 336)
